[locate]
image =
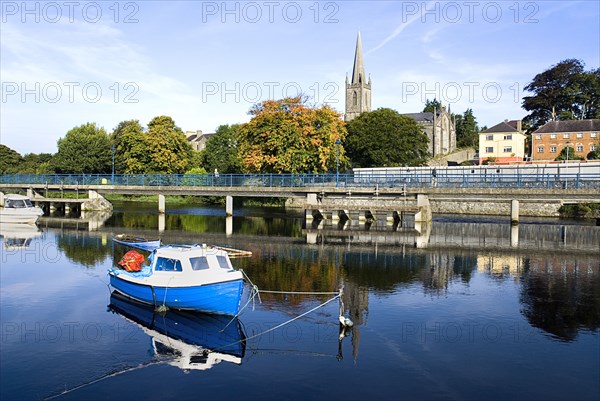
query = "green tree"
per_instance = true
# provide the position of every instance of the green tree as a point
(131, 156)
(568, 153)
(467, 132)
(221, 151)
(162, 148)
(36, 163)
(168, 150)
(431, 105)
(385, 138)
(85, 149)
(563, 92)
(594, 154)
(9, 160)
(288, 136)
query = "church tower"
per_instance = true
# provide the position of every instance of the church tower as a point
(358, 91)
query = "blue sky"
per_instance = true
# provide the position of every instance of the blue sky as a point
(205, 63)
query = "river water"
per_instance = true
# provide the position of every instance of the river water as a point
(461, 309)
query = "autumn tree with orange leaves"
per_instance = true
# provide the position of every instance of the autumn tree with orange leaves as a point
(288, 136)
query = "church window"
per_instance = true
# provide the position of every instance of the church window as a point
(354, 98)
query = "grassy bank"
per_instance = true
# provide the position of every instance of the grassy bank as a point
(581, 211)
(196, 200)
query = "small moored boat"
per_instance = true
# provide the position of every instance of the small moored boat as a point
(186, 277)
(18, 209)
(137, 242)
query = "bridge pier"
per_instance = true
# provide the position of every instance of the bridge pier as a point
(514, 212)
(161, 204)
(229, 226)
(161, 222)
(514, 235)
(229, 205)
(424, 213)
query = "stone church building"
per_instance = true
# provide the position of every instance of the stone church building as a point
(438, 125)
(439, 128)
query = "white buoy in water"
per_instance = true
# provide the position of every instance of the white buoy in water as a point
(346, 322)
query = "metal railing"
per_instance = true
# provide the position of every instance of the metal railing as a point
(408, 180)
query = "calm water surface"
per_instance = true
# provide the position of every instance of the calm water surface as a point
(465, 309)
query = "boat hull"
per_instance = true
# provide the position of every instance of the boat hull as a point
(18, 217)
(221, 298)
(140, 244)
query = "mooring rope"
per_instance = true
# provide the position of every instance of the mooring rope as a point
(279, 325)
(299, 292)
(107, 376)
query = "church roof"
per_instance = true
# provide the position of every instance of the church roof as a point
(358, 72)
(569, 126)
(424, 116)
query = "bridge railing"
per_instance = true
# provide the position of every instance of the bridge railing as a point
(409, 180)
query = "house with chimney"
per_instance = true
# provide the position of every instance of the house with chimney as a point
(502, 143)
(197, 139)
(550, 139)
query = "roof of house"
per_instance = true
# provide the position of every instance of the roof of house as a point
(569, 126)
(504, 126)
(197, 138)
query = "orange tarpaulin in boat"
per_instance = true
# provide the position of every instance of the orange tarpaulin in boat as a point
(132, 261)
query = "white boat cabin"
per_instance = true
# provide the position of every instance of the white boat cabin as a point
(14, 201)
(199, 264)
(189, 258)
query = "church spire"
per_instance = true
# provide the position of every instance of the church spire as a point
(358, 91)
(358, 73)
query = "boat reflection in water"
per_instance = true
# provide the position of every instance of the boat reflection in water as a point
(17, 236)
(186, 339)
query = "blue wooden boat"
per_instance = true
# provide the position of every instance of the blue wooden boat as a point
(137, 242)
(191, 340)
(185, 277)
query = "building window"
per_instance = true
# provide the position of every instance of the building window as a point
(540, 149)
(579, 135)
(507, 149)
(552, 136)
(579, 147)
(489, 137)
(538, 136)
(566, 136)
(552, 149)
(507, 137)
(592, 147)
(593, 135)
(489, 149)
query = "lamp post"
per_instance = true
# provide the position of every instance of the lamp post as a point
(113, 165)
(568, 145)
(337, 162)
(567, 164)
